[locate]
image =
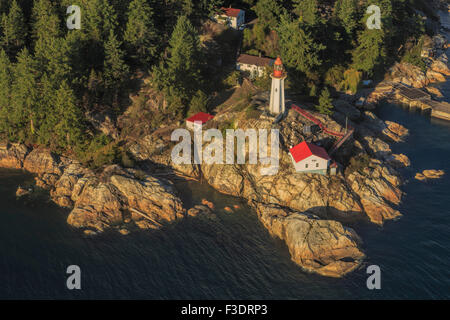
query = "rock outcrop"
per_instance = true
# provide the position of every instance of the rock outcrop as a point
(322, 246)
(115, 197)
(429, 174)
(12, 155)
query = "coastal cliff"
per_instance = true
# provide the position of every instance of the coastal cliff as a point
(116, 197)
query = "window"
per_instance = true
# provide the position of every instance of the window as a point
(306, 166)
(317, 165)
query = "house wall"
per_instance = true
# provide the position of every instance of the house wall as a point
(191, 125)
(233, 22)
(311, 164)
(254, 70)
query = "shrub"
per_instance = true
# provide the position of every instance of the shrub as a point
(352, 79)
(234, 79)
(413, 56)
(335, 76)
(358, 163)
(99, 152)
(198, 103)
(252, 112)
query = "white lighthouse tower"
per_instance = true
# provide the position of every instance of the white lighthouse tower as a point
(277, 91)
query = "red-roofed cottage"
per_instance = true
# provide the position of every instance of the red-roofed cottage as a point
(232, 17)
(308, 157)
(198, 119)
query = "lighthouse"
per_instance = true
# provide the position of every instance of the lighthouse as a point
(277, 91)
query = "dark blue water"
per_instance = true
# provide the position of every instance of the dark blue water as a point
(232, 256)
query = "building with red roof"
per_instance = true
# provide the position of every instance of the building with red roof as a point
(308, 157)
(198, 119)
(231, 17)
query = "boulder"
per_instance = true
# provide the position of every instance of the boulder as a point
(20, 192)
(12, 155)
(98, 207)
(42, 161)
(429, 174)
(325, 247)
(434, 92)
(399, 161)
(395, 131)
(440, 67)
(199, 210)
(150, 196)
(434, 76)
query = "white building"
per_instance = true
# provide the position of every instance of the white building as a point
(277, 102)
(309, 158)
(253, 64)
(231, 17)
(198, 120)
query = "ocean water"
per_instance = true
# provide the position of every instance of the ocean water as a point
(232, 256)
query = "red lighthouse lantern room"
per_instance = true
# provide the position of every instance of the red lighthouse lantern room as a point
(278, 68)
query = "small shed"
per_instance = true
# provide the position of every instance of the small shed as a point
(198, 119)
(310, 158)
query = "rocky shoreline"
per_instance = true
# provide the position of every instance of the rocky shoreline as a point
(116, 198)
(307, 211)
(408, 75)
(302, 209)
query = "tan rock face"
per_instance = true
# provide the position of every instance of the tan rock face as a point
(395, 131)
(150, 196)
(378, 190)
(399, 161)
(435, 92)
(97, 207)
(435, 76)
(440, 67)
(12, 155)
(321, 246)
(429, 174)
(410, 75)
(41, 161)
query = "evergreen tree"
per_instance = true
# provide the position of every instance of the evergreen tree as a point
(198, 103)
(5, 91)
(179, 75)
(14, 30)
(298, 49)
(140, 34)
(115, 70)
(24, 95)
(346, 13)
(371, 52)
(307, 11)
(5, 80)
(268, 13)
(4, 4)
(325, 105)
(46, 23)
(70, 127)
